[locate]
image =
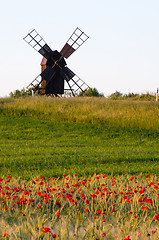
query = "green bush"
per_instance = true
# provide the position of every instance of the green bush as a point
(91, 92)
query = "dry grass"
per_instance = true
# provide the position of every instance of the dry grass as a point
(86, 110)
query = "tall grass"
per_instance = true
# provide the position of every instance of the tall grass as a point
(136, 114)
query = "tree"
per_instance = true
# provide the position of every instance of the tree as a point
(116, 95)
(91, 92)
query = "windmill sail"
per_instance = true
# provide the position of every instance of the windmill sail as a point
(74, 42)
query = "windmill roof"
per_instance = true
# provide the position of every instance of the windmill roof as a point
(43, 62)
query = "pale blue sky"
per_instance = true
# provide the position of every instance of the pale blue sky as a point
(121, 54)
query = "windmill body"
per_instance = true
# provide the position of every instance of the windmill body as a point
(55, 72)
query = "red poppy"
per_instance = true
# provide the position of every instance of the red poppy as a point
(130, 212)
(156, 217)
(46, 230)
(5, 234)
(144, 208)
(104, 234)
(86, 201)
(58, 214)
(87, 210)
(147, 175)
(127, 238)
(54, 235)
(113, 210)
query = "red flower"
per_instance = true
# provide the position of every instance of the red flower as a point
(145, 207)
(87, 202)
(104, 234)
(147, 175)
(104, 220)
(46, 201)
(5, 208)
(5, 234)
(26, 193)
(87, 210)
(54, 235)
(156, 217)
(46, 230)
(93, 195)
(112, 210)
(8, 176)
(39, 206)
(58, 214)
(127, 238)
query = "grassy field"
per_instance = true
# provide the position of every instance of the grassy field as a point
(78, 135)
(79, 168)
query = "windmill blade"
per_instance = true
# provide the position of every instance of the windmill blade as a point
(38, 43)
(74, 42)
(35, 82)
(68, 74)
(75, 83)
(46, 75)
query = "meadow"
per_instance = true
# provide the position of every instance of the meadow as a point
(85, 135)
(89, 137)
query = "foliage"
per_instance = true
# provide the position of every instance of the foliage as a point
(91, 92)
(97, 207)
(132, 96)
(17, 93)
(24, 92)
(116, 95)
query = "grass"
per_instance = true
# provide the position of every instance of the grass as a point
(85, 135)
(144, 115)
(111, 145)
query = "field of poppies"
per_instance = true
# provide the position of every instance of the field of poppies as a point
(97, 207)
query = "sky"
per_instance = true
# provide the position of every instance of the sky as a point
(121, 54)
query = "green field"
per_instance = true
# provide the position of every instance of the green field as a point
(50, 137)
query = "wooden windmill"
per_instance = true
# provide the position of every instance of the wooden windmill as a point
(54, 72)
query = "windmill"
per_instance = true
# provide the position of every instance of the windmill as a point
(56, 73)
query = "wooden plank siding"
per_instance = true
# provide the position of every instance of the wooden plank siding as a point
(43, 83)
